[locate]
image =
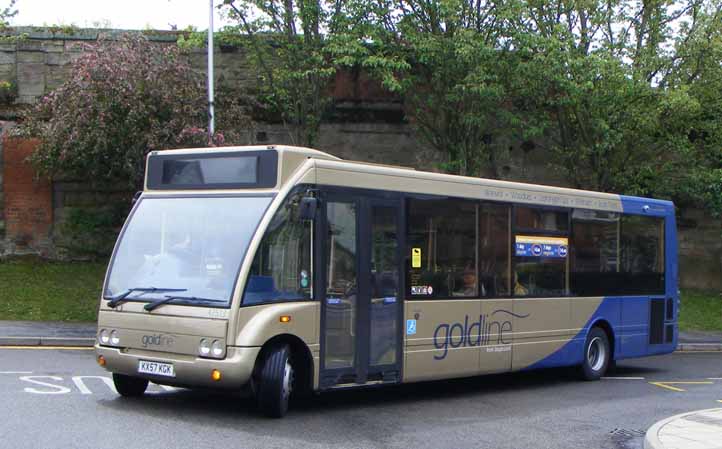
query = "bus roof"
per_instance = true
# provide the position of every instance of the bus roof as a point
(327, 169)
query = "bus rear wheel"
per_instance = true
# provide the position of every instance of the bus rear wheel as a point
(129, 386)
(596, 355)
(276, 382)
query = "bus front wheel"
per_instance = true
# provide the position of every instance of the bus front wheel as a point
(276, 382)
(596, 355)
(129, 386)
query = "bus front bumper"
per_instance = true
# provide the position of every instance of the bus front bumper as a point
(189, 371)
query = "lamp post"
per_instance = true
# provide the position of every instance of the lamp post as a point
(211, 113)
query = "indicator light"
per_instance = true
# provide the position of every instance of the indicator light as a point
(285, 318)
(101, 360)
(216, 375)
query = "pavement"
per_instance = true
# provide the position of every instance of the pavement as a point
(699, 341)
(701, 429)
(46, 333)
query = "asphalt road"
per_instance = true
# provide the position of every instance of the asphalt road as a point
(543, 409)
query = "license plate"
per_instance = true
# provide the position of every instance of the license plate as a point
(156, 368)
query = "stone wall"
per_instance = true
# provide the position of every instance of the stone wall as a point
(700, 250)
(368, 125)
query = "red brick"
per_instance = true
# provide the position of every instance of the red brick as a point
(28, 206)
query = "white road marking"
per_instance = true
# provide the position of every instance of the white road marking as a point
(623, 378)
(83, 384)
(57, 388)
(714, 378)
(80, 383)
(16, 372)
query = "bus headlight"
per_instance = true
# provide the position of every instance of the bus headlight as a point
(205, 348)
(217, 348)
(114, 338)
(104, 337)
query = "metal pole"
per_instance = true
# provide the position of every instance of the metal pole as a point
(211, 113)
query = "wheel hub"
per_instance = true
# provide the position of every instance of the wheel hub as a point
(287, 380)
(596, 354)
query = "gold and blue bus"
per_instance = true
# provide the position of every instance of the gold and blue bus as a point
(286, 271)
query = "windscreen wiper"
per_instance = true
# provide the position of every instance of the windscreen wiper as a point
(115, 300)
(168, 298)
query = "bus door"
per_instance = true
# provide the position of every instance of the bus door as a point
(361, 295)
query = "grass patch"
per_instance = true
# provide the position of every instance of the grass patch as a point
(32, 289)
(700, 311)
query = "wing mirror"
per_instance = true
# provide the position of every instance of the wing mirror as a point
(307, 208)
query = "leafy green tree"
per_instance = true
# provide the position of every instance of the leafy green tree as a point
(594, 74)
(123, 99)
(7, 12)
(445, 59)
(286, 46)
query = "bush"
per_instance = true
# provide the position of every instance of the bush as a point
(124, 98)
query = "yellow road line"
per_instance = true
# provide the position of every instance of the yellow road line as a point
(73, 348)
(668, 385)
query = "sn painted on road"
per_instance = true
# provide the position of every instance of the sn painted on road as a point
(57, 385)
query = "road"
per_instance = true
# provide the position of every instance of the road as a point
(72, 406)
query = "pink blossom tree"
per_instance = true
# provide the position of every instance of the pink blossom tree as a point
(124, 98)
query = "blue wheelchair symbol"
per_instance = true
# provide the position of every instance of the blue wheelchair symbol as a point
(410, 327)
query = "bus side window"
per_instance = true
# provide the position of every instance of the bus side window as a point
(281, 268)
(642, 254)
(442, 248)
(541, 250)
(494, 250)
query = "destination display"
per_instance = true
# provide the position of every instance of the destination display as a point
(534, 246)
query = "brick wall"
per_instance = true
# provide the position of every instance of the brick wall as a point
(27, 201)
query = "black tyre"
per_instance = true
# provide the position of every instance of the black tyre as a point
(129, 386)
(597, 354)
(276, 382)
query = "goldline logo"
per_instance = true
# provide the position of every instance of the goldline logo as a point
(483, 332)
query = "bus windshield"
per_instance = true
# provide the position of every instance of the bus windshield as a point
(190, 246)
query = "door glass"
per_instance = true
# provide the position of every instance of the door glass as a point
(384, 286)
(341, 286)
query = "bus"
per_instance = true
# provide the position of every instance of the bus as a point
(284, 271)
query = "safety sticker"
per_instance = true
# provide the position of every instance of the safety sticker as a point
(415, 257)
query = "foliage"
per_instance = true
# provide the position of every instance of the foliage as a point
(7, 12)
(624, 95)
(443, 58)
(286, 47)
(598, 79)
(8, 91)
(45, 291)
(125, 98)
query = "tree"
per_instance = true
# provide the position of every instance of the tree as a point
(123, 99)
(595, 75)
(444, 59)
(7, 12)
(286, 46)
